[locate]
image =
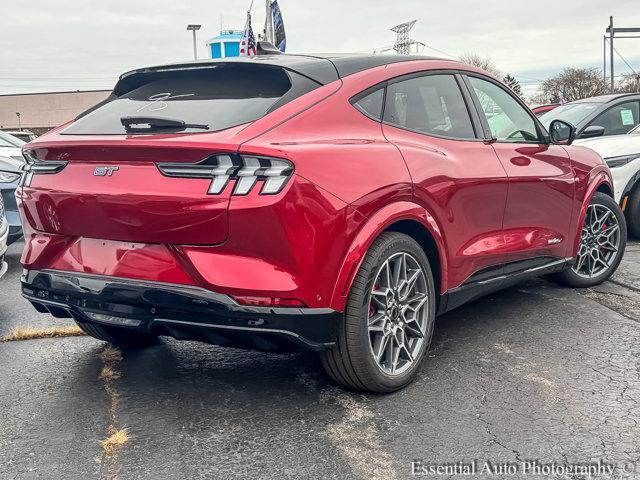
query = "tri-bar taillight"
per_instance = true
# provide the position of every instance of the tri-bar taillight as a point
(245, 170)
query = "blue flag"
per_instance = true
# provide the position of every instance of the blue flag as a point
(278, 27)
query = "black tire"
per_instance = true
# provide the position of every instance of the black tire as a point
(570, 278)
(119, 336)
(633, 212)
(350, 362)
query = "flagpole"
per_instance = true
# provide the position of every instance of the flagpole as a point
(268, 24)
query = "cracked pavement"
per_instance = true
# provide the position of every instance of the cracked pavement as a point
(535, 372)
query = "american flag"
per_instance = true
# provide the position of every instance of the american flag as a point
(248, 42)
(563, 95)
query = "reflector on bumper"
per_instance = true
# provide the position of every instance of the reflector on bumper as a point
(113, 320)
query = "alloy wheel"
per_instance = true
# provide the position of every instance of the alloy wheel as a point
(398, 313)
(599, 242)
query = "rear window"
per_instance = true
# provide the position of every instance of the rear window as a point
(206, 99)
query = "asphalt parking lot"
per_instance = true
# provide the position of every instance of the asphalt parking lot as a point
(536, 372)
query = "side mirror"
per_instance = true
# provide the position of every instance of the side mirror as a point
(562, 133)
(592, 131)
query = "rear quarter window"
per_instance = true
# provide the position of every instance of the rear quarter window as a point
(371, 104)
(218, 97)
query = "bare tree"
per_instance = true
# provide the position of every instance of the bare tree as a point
(573, 84)
(485, 63)
(630, 83)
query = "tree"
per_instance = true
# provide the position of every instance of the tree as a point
(573, 84)
(513, 84)
(485, 63)
(630, 83)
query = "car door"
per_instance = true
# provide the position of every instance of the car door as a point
(456, 176)
(538, 212)
(619, 119)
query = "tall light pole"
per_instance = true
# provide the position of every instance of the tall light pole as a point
(194, 29)
(19, 121)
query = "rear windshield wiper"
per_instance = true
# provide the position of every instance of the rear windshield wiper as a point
(146, 124)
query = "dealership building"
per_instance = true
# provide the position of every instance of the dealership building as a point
(40, 112)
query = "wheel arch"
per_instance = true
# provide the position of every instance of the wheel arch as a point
(605, 188)
(600, 183)
(403, 217)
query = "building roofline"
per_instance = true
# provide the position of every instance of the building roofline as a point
(52, 93)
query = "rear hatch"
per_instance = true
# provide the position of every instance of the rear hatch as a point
(99, 177)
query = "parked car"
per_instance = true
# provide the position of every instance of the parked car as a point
(542, 109)
(622, 154)
(10, 146)
(10, 173)
(4, 231)
(24, 135)
(334, 204)
(599, 116)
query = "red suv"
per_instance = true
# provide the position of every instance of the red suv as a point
(335, 204)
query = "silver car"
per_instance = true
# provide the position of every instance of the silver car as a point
(4, 233)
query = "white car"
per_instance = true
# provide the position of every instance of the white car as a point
(24, 135)
(10, 146)
(622, 154)
(4, 232)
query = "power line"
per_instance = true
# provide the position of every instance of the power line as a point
(625, 61)
(441, 51)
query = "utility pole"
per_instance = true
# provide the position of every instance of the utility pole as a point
(194, 29)
(403, 42)
(604, 59)
(612, 32)
(613, 77)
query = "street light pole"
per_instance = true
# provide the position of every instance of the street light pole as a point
(19, 121)
(194, 29)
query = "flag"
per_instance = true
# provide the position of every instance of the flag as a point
(279, 34)
(563, 95)
(248, 42)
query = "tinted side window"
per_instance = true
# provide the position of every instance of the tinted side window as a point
(509, 121)
(432, 104)
(371, 105)
(620, 119)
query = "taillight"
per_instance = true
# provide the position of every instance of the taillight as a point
(245, 171)
(33, 166)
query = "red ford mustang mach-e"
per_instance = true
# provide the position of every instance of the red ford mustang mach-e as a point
(334, 204)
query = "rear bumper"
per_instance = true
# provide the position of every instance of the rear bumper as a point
(180, 311)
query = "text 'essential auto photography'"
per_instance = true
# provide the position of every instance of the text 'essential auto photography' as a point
(320, 240)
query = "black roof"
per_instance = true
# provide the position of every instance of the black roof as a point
(320, 68)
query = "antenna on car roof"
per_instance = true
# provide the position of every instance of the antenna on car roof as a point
(267, 48)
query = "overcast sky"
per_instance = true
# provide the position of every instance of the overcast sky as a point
(48, 45)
